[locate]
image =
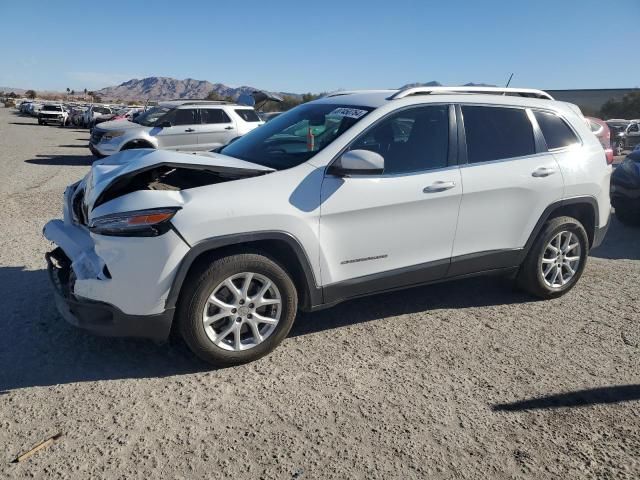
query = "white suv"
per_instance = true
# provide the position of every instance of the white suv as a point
(177, 125)
(349, 195)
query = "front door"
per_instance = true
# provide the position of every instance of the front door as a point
(395, 229)
(183, 132)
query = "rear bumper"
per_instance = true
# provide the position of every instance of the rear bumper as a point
(101, 318)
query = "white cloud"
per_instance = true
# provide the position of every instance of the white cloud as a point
(96, 80)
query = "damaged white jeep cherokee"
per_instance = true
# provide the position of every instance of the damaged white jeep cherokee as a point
(350, 195)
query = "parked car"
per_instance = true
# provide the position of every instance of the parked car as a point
(625, 189)
(176, 125)
(618, 128)
(93, 113)
(53, 113)
(34, 108)
(77, 114)
(127, 113)
(229, 246)
(601, 130)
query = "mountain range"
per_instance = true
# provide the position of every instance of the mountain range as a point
(166, 88)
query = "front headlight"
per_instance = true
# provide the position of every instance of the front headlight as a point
(139, 223)
(110, 135)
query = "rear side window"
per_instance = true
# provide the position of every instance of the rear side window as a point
(248, 115)
(556, 132)
(214, 115)
(496, 133)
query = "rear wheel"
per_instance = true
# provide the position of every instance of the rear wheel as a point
(556, 260)
(238, 309)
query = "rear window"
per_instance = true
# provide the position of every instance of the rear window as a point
(496, 133)
(248, 115)
(556, 132)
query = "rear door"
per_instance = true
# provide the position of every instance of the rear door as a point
(183, 132)
(508, 179)
(217, 128)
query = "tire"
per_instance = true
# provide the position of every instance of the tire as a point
(531, 276)
(40, 122)
(209, 282)
(628, 216)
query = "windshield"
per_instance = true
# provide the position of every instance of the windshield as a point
(151, 116)
(295, 136)
(51, 108)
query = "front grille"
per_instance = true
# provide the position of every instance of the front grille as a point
(96, 136)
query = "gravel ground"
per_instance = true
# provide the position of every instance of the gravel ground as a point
(463, 380)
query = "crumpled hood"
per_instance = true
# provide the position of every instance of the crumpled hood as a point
(105, 171)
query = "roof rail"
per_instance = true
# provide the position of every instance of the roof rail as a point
(197, 101)
(522, 92)
(350, 92)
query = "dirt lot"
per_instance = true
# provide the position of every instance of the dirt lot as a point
(464, 380)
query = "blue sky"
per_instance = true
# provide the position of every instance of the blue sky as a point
(308, 45)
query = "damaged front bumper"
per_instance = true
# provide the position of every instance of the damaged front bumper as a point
(100, 318)
(114, 286)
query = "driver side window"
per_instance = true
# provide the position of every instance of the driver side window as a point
(413, 140)
(182, 116)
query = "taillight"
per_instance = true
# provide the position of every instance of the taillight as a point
(609, 154)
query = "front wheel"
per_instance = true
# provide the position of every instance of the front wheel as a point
(556, 260)
(237, 309)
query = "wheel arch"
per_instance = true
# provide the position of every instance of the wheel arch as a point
(138, 143)
(280, 246)
(584, 209)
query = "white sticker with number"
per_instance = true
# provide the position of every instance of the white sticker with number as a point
(349, 112)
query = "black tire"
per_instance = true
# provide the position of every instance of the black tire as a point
(530, 277)
(628, 216)
(40, 122)
(204, 281)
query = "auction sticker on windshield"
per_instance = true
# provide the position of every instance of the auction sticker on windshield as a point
(349, 112)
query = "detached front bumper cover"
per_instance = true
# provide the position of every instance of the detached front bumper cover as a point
(100, 318)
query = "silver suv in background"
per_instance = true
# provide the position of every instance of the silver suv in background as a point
(176, 125)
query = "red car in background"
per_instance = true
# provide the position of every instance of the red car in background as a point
(601, 130)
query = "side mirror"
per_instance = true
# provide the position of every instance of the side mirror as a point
(164, 124)
(358, 162)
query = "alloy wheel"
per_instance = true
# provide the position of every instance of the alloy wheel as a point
(242, 311)
(561, 259)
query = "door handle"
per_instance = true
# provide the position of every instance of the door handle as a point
(543, 172)
(439, 186)
(190, 130)
(228, 128)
